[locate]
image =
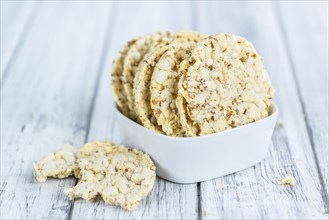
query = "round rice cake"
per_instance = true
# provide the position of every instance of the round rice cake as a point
(226, 84)
(144, 74)
(119, 94)
(164, 84)
(133, 57)
(119, 175)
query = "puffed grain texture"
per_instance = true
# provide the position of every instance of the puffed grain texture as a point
(120, 176)
(133, 58)
(190, 129)
(60, 164)
(226, 84)
(164, 84)
(118, 91)
(143, 78)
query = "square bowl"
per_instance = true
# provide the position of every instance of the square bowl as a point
(195, 159)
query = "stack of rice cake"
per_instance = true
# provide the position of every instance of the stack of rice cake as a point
(189, 84)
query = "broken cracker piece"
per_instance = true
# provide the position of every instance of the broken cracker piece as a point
(60, 164)
(119, 175)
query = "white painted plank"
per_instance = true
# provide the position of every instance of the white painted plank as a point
(16, 18)
(305, 26)
(45, 103)
(254, 192)
(167, 200)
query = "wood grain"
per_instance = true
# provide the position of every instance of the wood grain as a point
(307, 48)
(45, 102)
(254, 192)
(56, 58)
(16, 18)
(167, 200)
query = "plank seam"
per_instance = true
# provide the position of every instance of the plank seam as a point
(324, 194)
(199, 200)
(21, 39)
(96, 86)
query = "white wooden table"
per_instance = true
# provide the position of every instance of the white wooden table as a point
(55, 60)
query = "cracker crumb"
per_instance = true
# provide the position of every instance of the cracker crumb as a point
(205, 213)
(288, 180)
(222, 185)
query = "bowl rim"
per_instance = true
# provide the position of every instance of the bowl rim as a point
(274, 111)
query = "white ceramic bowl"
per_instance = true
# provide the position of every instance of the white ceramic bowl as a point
(195, 159)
